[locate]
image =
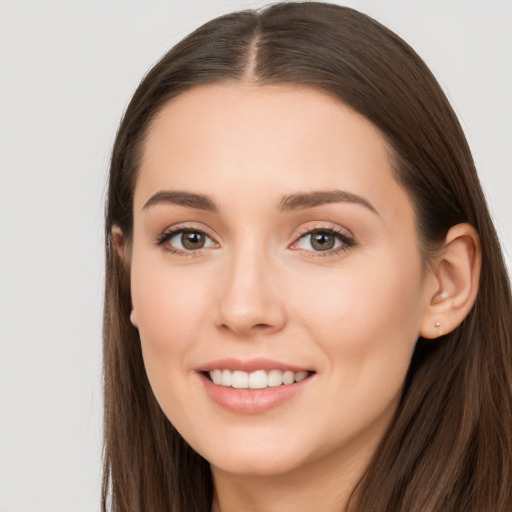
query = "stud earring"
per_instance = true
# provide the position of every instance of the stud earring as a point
(438, 325)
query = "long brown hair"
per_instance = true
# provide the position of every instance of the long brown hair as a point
(449, 448)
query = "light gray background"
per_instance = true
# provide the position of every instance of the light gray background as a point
(67, 71)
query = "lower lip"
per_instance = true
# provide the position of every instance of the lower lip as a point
(251, 401)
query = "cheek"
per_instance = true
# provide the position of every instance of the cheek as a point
(165, 303)
(167, 307)
(367, 329)
(367, 320)
(373, 309)
(384, 290)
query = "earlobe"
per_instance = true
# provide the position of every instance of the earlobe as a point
(455, 278)
(133, 319)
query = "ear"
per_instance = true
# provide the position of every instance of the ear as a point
(133, 318)
(122, 251)
(453, 286)
(119, 242)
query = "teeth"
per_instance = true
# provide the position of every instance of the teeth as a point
(288, 378)
(239, 379)
(274, 378)
(258, 379)
(216, 376)
(300, 376)
(225, 379)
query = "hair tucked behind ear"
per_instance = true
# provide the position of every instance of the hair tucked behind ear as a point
(449, 448)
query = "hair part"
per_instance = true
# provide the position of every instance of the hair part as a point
(449, 447)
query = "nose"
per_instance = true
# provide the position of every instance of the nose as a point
(250, 299)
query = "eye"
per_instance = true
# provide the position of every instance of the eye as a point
(323, 240)
(184, 240)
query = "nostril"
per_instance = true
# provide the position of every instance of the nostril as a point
(248, 328)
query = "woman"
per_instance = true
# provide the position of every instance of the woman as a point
(306, 302)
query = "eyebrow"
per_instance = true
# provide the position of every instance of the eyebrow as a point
(303, 200)
(180, 198)
(296, 201)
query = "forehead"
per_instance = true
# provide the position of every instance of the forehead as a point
(229, 138)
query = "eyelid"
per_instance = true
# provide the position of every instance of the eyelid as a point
(309, 227)
(171, 231)
(343, 234)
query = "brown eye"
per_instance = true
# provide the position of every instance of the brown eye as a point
(322, 241)
(188, 240)
(192, 240)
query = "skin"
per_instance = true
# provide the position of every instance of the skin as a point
(260, 289)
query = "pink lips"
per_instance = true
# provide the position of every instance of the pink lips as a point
(250, 401)
(249, 366)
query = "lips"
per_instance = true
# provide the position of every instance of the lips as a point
(252, 387)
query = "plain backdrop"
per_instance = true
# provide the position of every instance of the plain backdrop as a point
(67, 71)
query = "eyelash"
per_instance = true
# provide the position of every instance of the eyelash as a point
(346, 241)
(168, 234)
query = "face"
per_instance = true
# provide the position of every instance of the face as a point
(277, 283)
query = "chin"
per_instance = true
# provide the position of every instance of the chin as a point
(256, 466)
(267, 457)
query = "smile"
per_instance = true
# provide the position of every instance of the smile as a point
(255, 386)
(259, 379)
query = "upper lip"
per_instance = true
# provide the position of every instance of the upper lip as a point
(250, 365)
